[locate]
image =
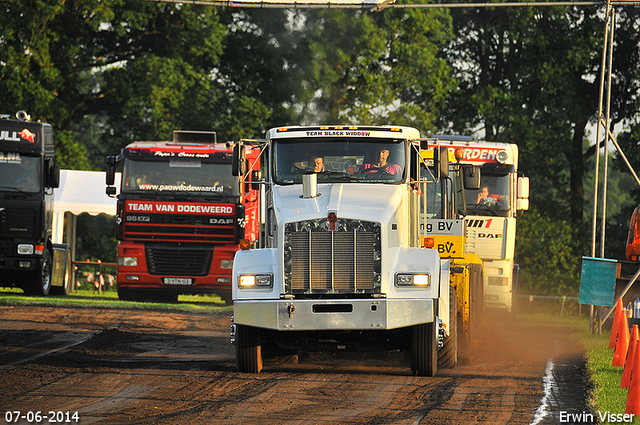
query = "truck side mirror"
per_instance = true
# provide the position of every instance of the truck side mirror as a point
(54, 176)
(256, 176)
(111, 170)
(441, 161)
(471, 177)
(239, 164)
(522, 202)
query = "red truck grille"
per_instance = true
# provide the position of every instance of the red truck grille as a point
(179, 261)
(180, 228)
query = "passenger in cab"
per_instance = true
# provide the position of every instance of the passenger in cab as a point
(380, 164)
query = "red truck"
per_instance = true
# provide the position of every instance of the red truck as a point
(182, 215)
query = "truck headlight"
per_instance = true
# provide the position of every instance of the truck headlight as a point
(407, 280)
(226, 264)
(25, 249)
(127, 261)
(255, 281)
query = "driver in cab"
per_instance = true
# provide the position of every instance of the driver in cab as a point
(484, 198)
(382, 165)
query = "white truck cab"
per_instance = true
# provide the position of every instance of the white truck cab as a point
(343, 269)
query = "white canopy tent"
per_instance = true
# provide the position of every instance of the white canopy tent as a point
(79, 192)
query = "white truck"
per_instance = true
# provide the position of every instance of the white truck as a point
(492, 211)
(343, 268)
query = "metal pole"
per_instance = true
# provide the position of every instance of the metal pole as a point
(596, 179)
(597, 141)
(611, 20)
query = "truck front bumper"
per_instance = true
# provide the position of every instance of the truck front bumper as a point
(357, 314)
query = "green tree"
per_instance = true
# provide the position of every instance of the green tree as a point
(546, 254)
(529, 77)
(376, 68)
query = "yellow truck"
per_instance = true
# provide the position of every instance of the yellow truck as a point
(443, 226)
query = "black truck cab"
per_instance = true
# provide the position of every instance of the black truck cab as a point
(28, 175)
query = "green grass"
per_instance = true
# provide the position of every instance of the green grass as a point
(606, 396)
(109, 299)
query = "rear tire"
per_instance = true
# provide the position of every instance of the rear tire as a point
(448, 354)
(248, 349)
(424, 355)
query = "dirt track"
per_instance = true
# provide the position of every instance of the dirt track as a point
(142, 367)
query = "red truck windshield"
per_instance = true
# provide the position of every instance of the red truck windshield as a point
(179, 175)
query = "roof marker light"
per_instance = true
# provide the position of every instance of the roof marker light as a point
(459, 153)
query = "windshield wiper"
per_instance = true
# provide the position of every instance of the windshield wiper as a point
(335, 175)
(476, 207)
(15, 189)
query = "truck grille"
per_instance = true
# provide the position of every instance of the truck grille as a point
(344, 261)
(179, 261)
(17, 222)
(180, 227)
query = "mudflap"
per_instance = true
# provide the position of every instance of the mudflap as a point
(61, 282)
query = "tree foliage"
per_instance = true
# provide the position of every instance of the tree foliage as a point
(546, 250)
(377, 68)
(107, 73)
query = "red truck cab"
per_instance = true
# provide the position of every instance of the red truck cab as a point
(181, 216)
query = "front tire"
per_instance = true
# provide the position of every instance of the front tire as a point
(40, 281)
(248, 349)
(476, 305)
(424, 344)
(126, 294)
(448, 354)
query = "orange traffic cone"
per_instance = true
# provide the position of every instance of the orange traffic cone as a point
(614, 328)
(633, 398)
(628, 363)
(622, 341)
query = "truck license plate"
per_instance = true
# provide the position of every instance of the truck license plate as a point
(177, 281)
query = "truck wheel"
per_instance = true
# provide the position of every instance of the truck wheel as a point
(158, 297)
(40, 280)
(476, 304)
(126, 294)
(448, 354)
(225, 296)
(248, 349)
(424, 355)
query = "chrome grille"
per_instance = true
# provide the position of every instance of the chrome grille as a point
(346, 260)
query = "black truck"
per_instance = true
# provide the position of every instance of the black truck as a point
(28, 175)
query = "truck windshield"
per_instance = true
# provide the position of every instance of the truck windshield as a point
(20, 173)
(339, 160)
(192, 176)
(454, 201)
(493, 198)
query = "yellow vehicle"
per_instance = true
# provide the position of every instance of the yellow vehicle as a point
(443, 224)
